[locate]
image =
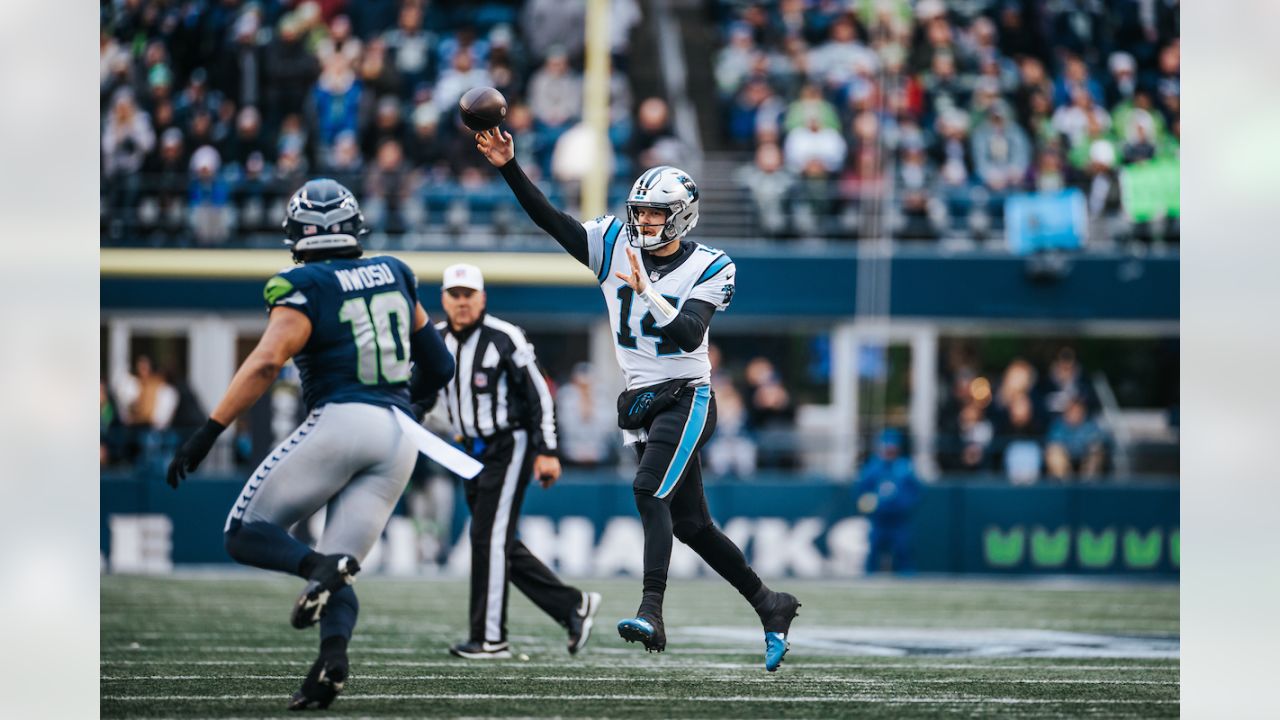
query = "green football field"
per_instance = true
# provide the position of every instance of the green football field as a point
(220, 646)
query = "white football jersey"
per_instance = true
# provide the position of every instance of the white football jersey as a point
(644, 354)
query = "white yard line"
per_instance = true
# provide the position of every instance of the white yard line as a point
(791, 665)
(196, 649)
(623, 678)
(653, 698)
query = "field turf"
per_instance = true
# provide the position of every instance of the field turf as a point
(196, 645)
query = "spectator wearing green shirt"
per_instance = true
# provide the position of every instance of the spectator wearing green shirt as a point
(811, 104)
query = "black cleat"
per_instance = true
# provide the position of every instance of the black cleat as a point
(473, 650)
(581, 621)
(323, 683)
(644, 629)
(777, 617)
(333, 573)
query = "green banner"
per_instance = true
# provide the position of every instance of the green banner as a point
(1150, 190)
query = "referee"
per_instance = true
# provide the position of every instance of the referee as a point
(501, 410)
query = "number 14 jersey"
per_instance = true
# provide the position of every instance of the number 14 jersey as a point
(644, 354)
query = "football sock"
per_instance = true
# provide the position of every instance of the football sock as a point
(760, 600)
(309, 563)
(333, 645)
(655, 516)
(267, 546)
(340, 615)
(727, 559)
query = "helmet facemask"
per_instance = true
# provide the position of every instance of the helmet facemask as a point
(635, 235)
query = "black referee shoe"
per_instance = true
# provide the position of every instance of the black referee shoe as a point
(581, 621)
(473, 650)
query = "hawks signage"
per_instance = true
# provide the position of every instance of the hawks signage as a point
(792, 528)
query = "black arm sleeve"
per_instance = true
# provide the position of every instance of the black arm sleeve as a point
(433, 364)
(690, 325)
(566, 231)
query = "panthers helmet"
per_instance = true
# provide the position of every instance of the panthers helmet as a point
(665, 188)
(323, 219)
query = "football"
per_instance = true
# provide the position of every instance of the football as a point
(482, 108)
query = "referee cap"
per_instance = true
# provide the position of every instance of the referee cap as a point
(463, 275)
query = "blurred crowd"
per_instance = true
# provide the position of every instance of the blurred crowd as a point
(213, 112)
(918, 119)
(143, 413)
(1027, 424)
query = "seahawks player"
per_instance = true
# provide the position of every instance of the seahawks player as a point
(354, 328)
(661, 297)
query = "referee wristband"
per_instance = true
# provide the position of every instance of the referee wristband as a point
(663, 312)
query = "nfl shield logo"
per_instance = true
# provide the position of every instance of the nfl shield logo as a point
(481, 380)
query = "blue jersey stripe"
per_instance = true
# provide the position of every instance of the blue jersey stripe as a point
(716, 266)
(606, 260)
(688, 440)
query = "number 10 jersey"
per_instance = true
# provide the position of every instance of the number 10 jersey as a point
(361, 312)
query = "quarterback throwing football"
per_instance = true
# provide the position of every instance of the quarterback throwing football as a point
(661, 292)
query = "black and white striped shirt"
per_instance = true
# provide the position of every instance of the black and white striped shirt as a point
(497, 384)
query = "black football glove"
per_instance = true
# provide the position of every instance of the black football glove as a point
(193, 451)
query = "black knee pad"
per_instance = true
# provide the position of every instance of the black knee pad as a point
(646, 483)
(687, 530)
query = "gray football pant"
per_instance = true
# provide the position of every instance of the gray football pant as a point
(351, 458)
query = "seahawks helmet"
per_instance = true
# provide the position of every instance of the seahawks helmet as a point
(665, 188)
(323, 219)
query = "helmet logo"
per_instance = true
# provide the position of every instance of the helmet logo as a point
(690, 186)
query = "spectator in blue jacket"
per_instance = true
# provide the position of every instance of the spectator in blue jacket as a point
(335, 102)
(888, 491)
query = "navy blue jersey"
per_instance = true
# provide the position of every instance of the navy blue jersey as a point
(361, 313)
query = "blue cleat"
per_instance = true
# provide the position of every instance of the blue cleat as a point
(646, 630)
(775, 648)
(777, 623)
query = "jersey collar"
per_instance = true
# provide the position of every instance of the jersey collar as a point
(651, 265)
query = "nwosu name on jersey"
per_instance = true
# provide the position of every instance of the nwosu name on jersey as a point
(365, 276)
(645, 355)
(361, 312)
